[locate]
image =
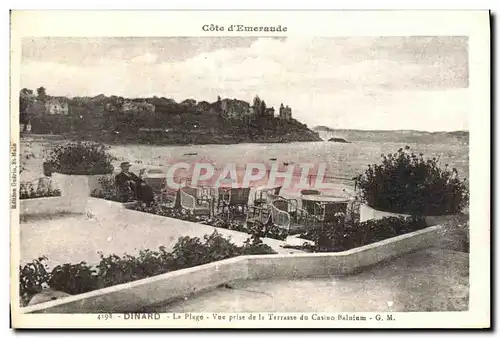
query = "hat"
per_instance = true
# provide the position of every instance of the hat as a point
(125, 164)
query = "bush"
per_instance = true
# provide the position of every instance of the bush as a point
(259, 229)
(179, 213)
(81, 158)
(108, 190)
(409, 184)
(224, 223)
(27, 191)
(255, 246)
(73, 278)
(189, 251)
(31, 278)
(114, 270)
(344, 235)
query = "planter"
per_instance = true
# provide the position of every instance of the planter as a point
(75, 190)
(48, 169)
(94, 183)
(367, 213)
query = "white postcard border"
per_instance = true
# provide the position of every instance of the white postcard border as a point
(474, 24)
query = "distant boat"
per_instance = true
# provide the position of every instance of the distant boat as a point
(190, 154)
(338, 140)
(272, 159)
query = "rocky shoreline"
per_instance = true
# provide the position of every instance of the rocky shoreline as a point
(185, 138)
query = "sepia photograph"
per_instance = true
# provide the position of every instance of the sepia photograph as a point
(246, 176)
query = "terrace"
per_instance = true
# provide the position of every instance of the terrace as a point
(405, 274)
(110, 231)
(393, 260)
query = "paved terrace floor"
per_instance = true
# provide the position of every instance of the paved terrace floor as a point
(429, 280)
(75, 238)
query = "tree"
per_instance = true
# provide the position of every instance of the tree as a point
(27, 91)
(41, 93)
(263, 107)
(26, 100)
(257, 105)
(218, 104)
(23, 104)
(189, 102)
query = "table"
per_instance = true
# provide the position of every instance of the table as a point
(309, 201)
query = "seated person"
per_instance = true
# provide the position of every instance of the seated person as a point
(129, 182)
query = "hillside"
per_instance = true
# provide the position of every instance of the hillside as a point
(161, 121)
(397, 136)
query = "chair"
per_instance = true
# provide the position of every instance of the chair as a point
(330, 212)
(258, 214)
(159, 186)
(169, 199)
(163, 195)
(286, 215)
(266, 196)
(190, 199)
(353, 210)
(233, 200)
(309, 205)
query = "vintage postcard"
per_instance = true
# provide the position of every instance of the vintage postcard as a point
(250, 169)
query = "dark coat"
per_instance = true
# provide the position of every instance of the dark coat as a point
(139, 188)
(122, 179)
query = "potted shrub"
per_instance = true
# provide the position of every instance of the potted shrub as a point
(47, 169)
(77, 168)
(406, 184)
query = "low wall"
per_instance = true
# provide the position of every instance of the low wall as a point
(339, 263)
(43, 205)
(148, 292)
(174, 285)
(368, 255)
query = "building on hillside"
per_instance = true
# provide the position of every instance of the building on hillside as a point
(37, 108)
(285, 113)
(235, 109)
(131, 106)
(56, 106)
(269, 112)
(25, 128)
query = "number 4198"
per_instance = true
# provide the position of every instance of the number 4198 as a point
(104, 316)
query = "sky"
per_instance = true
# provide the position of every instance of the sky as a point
(384, 83)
